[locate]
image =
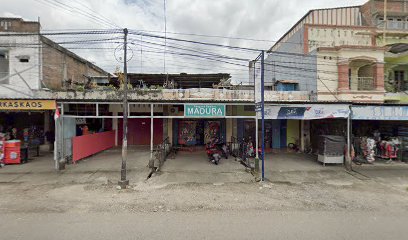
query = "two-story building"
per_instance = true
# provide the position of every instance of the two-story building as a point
(31, 63)
(355, 55)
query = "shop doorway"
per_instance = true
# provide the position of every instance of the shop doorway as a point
(139, 131)
(198, 132)
(33, 129)
(275, 133)
(378, 142)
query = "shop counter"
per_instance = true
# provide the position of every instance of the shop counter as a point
(87, 145)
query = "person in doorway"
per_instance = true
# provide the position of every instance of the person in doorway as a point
(50, 137)
(13, 134)
(85, 130)
(78, 130)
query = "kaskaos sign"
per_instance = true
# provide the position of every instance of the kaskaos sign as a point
(27, 105)
(307, 112)
(204, 110)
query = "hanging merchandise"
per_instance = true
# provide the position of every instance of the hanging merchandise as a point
(187, 133)
(2, 148)
(389, 149)
(211, 130)
(403, 134)
(367, 146)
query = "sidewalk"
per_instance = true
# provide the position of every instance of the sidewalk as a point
(104, 166)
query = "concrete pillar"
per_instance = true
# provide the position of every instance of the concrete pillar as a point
(115, 127)
(170, 130)
(229, 129)
(343, 72)
(305, 135)
(47, 125)
(235, 128)
(379, 76)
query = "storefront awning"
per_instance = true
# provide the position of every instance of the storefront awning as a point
(306, 111)
(379, 113)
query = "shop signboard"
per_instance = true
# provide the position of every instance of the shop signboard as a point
(380, 112)
(307, 112)
(80, 121)
(204, 110)
(27, 105)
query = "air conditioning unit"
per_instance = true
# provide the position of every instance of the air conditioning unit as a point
(173, 111)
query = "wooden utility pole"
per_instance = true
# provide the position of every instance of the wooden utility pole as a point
(123, 182)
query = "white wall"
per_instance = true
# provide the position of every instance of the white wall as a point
(327, 71)
(18, 47)
(321, 36)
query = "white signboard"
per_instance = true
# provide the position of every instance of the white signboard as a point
(80, 121)
(255, 74)
(380, 112)
(307, 112)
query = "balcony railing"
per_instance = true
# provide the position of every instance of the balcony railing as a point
(393, 25)
(365, 83)
(195, 94)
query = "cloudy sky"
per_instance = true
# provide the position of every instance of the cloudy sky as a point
(244, 23)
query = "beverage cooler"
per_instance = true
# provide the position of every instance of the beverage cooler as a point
(12, 152)
(2, 142)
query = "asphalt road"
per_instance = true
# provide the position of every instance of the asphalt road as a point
(207, 225)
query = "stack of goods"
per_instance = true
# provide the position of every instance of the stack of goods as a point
(330, 145)
(367, 146)
(403, 134)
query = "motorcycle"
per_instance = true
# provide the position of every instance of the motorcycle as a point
(213, 153)
(247, 151)
(223, 148)
(216, 150)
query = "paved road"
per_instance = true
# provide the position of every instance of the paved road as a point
(207, 225)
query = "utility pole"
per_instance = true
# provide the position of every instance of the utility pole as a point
(123, 182)
(385, 23)
(263, 114)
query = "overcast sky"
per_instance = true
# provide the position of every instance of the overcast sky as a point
(251, 19)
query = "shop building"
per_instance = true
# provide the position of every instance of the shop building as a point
(380, 133)
(184, 109)
(31, 64)
(31, 123)
(353, 56)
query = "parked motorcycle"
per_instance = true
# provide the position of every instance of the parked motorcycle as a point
(223, 148)
(247, 151)
(216, 150)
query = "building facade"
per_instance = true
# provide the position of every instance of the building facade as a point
(355, 55)
(31, 64)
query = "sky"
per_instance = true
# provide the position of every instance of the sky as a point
(242, 23)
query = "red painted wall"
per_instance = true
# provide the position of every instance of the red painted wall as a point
(139, 131)
(87, 145)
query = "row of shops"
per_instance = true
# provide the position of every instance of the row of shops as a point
(373, 131)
